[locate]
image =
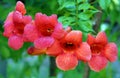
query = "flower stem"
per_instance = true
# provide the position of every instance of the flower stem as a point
(52, 67)
(86, 71)
(76, 16)
(97, 20)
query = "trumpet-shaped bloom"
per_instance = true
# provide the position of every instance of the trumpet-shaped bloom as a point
(69, 50)
(14, 26)
(34, 51)
(47, 29)
(102, 51)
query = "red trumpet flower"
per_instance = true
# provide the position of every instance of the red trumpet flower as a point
(102, 51)
(69, 50)
(47, 29)
(14, 26)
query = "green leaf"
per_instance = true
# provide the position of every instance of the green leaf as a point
(84, 6)
(66, 21)
(4, 52)
(67, 4)
(87, 14)
(86, 26)
(83, 16)
(104, 3)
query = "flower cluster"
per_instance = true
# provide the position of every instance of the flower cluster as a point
(49, 37)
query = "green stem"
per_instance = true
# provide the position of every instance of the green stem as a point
(98, 20)
(52, 67)
(86, 71)
(76, 16)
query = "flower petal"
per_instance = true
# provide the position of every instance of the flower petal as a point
(66, 61)
(35, 51)
(27, 19)
(111, 51)
(90, 39)
(84, 52)
(75, 36)
(17, 17)
(8, 29)
(9, 17)
(20, 7)
(58, 31)
(40, 19)
(53, 19)
(97, 63)
(30, 32)
(43, 42)
(101, 38)
(55, 49)
(15, 42)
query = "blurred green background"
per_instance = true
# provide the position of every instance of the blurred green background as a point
(89, 16)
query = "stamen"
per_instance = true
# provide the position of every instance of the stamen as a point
(49, 30)
(46, 30)
(69, 46)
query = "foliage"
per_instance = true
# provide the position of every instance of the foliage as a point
(80, 15)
